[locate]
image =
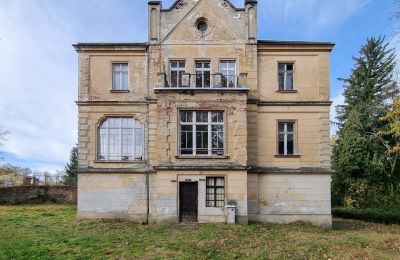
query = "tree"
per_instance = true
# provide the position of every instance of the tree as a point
(3, 135)
(393, 117)
(359, 155)
(70, 177)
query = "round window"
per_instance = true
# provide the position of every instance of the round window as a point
(201, 24)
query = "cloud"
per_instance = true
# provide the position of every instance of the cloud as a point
(38, 70)
(314, 17)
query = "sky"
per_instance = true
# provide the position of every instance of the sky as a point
(39, 68)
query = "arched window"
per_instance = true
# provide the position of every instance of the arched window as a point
(121, 139)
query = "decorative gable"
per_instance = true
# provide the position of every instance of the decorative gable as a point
(202, 24)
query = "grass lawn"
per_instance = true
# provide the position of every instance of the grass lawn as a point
(51, 231)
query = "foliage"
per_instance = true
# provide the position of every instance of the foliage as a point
(393, 117)
(70, 177)
(385, 216)
(364, 167)
(53, 232)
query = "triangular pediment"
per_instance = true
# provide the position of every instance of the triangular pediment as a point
(219, 29)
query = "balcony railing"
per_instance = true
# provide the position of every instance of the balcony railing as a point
(201, 81)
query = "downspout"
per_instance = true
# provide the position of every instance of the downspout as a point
(148, 139)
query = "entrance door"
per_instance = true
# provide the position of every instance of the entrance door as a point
(188, 201)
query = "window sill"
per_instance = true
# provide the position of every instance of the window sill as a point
(286, 91)
(134, 161)
(119, 91)
(203, 157)
(287, 156)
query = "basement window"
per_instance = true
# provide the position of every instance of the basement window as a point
(215, 191)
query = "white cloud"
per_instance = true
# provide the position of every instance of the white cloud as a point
(38, 69)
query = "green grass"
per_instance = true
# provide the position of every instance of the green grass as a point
(386, 216)
(52, 232)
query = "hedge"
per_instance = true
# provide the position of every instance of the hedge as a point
(385, 216)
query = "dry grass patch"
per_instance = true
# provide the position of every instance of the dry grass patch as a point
(52, 231)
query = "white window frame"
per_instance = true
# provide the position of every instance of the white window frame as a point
(120, 76)
(178, 70)
(227, 62)
(209, 125)
(137, 148)
(285, 133)
(285, 76)
(202, 70)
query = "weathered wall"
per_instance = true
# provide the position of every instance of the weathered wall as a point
(90, 117)
(284, 198)
(234, 106)
(37, 194)
(312, 142)
(167, 201)
(115, 196)
(311, 74)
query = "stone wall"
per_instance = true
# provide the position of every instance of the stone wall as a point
(37, 194)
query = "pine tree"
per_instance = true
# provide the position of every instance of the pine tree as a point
(70, 177)
(359, 155)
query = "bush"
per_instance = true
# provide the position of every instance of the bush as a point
(385, 216)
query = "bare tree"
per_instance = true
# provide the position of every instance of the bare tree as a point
(3, 134)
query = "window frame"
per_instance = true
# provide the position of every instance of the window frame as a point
(215, 187)
(178, 70)
(194, 131)
(113, 89)
(120, 128)
(285, 88)
(285, 132)
(226, 85)
(202, 69)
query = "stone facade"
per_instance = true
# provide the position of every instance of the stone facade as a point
(264, 184)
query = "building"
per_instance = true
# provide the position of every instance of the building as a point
(202, 116)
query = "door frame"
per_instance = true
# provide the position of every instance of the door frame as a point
(179, 199)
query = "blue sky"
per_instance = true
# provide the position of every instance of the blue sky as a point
(38, 66)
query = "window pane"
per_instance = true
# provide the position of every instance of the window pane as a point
(201, 117)
(281, 144)
(289, 127)
(186, 139)
(210, 181)
(202, 139)
(289, 67)
(281, 81)
(289, 81)
(281, 127)
(174, 79)
(281, 67)
(217, 117)
(290, 144)
(174, 64)
(124, 85)
(220, 182)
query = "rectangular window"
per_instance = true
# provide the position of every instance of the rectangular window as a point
(215, 192)
(177, 69)
(286, 138)
(120, 76)
(285, 76)
(203, 74)
(228, 71)
(201, 133)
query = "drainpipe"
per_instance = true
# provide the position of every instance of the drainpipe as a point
(148, 139)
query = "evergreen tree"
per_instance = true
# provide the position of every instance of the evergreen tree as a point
(70, 178)
(359, 155)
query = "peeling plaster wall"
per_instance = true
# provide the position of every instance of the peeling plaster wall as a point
(167, 201)
(112, 196)
(284, 198)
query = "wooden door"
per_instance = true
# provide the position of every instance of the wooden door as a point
(188, 192)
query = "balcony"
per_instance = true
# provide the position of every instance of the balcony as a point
(201, 82)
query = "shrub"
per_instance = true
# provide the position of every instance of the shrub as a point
(385, 216)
